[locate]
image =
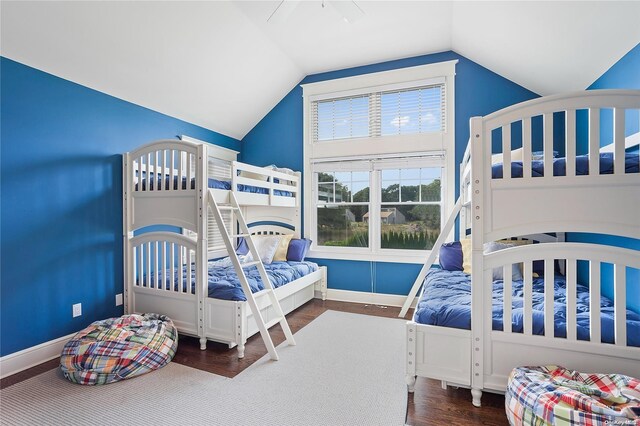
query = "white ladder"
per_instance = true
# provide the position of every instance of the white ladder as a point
(257, 262)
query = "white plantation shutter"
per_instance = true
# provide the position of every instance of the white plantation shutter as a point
(393, 110)
(416, 110)
(341, 118)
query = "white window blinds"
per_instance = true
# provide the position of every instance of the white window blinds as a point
(419, 109)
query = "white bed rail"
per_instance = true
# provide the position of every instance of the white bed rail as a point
(571, 253)
(607, 203)
(165, 165)
(163, 262)
(266, 178)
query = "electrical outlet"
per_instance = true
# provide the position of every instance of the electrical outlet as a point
(118, 299)
(77, 310)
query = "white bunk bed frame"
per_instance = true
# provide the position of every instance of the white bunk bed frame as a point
(481, 358)
(224, 321)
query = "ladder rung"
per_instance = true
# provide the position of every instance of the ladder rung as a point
(227, 207)
(239, 235)
(247, 264)
(272, 322)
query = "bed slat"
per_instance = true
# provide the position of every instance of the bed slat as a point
(506, 151)
(594, 141)
(571, 288)
(148, 279)
(570, 142)
(620, 303)
(528, 298)
(594, 301)
(619, 141)
(548, 298)
(548, 145)
(180, 171)
(526, 148)
(182, 266)
(172, 266)
(507, 303)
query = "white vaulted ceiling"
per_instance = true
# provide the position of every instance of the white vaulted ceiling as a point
(221, 65)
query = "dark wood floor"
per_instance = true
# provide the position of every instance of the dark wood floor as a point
(429, 405)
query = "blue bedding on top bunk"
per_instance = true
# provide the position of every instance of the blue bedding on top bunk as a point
(446, 301)
(560, 166)
(212, 183)
(223, 282)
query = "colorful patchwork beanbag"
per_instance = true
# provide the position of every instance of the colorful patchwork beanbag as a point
(552, 395)
(119, 348)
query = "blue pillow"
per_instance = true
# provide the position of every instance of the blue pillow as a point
(298, 249)
(450, 256)
(242, 248)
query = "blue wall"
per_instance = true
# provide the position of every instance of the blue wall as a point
(278, 139)
(61, 195)
(624, 74)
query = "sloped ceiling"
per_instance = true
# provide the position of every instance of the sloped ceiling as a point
(221, 65)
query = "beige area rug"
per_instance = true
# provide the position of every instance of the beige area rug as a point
(346, 369)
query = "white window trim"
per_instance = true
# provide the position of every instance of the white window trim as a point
(412, 144)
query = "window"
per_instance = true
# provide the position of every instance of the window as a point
(393, 112)
(341, 209)
(379, 163)
(410, 208)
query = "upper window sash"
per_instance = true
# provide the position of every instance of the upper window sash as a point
(410, 108)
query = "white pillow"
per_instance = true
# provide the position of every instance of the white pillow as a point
(266, 245)
(254, 176)
(516, 155)
(516, 275)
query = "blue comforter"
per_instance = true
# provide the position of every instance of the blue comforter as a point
(223, 282)
(560, 166)
(446, 302)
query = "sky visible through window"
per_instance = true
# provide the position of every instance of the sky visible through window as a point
(401, 112)
(411, 111)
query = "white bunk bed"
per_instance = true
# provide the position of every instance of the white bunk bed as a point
(497, 208)
(169, 182)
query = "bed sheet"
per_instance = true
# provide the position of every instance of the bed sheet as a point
(223, 282)
(446, 301)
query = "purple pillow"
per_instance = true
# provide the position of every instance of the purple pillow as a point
(298, 249)
(450, 256)
(242, 248)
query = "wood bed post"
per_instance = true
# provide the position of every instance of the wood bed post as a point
(202, 243)
(477, 238)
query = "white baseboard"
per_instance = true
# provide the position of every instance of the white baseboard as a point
(30, 357)
(367, 298)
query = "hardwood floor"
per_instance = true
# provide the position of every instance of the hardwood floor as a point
(429, 405)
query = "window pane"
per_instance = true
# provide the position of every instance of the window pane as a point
(343, 118)
(412, 111)
(409, 227)
(325, 192)
(390, 192)
(431, 191)
(343, 226)
(360, 192)
(410, 190)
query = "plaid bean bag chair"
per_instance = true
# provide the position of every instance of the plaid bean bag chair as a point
(552, 395)
(119, 348)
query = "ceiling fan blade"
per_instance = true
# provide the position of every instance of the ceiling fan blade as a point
(349, 10)
(283, 11)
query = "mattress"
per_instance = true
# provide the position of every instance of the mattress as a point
(223, 282)
(560, 166)
(212, 183)
(446, 301)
